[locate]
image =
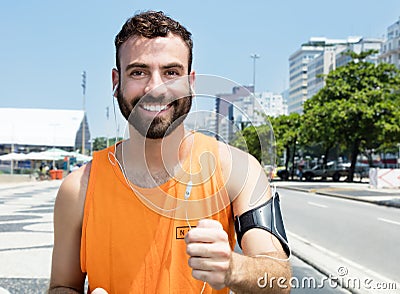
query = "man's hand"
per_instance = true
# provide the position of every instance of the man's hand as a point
(210, 253)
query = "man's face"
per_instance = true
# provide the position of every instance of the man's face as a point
(153, 87)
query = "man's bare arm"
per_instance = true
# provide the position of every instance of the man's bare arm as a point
(66, 274)
(212, 261)
(259, 274)
(211, 258)
(263, 255)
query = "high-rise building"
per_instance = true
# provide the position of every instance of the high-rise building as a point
(249, 111)
(317, 68)
(315, 59)
(335, 56)
(226, 99)
(358, 45)
(239, 109)
(298, 72)
(390, 52)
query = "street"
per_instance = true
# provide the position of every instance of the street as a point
(361, 236)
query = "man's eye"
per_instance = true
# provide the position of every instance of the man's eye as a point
(137, 73)
(172, 73)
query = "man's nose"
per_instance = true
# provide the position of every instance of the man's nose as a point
(155, 85)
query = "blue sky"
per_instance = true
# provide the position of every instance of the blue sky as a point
(45, 45)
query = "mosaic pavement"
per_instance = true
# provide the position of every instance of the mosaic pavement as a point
(26, 236)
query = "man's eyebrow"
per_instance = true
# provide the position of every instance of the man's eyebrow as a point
(136, 65)
(172, 65)
(143, 65)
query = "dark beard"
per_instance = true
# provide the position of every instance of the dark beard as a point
(158, 127)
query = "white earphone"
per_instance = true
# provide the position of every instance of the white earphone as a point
(115, 90)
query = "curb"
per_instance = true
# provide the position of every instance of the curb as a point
(330, 263)
(318, 268)
(315, 191)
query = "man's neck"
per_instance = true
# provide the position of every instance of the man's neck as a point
(144, 158)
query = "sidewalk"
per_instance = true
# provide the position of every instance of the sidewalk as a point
(353, 191)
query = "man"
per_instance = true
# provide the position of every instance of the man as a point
(155, 213)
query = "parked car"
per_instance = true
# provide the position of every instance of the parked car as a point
(329, 171)
(361, 169)
(283, 174)
(332, 170)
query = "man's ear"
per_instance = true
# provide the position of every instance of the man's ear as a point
(115, 81)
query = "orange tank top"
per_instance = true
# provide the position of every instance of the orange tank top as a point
(129, 245)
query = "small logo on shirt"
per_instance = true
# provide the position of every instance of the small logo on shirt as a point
(182, 231)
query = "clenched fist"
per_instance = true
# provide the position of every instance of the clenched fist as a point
(210, 253)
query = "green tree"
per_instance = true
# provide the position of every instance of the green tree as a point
(319, 125)
(287, 131)
(359, 106)
(100, 143)
(258, 141)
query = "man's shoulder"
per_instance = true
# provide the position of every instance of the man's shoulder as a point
(229, 154)
(74, 186)
(236, 167)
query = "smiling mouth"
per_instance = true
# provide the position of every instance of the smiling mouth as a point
(155, 108)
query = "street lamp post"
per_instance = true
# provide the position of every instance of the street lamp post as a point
(254, 57)
(84, 111)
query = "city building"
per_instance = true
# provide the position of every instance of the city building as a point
(298, 62)
(224, 100)
(252, 111)
(315, 59)
(24, 130)
(319, 67)
(358, 45)
(239, 109)
(390, 52)
(246, 109)
(202, 121)
(335, 56)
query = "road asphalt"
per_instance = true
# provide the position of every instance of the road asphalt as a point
(321, 258)
(359, 191)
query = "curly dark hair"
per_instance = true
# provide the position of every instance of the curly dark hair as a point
(152, 24)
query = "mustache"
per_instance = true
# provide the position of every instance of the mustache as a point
(150, 99)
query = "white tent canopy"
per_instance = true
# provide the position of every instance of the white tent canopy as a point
(51, 154)
(40, 156)
(12, 156)
(57, 154)
(42, 127)
(54, 154)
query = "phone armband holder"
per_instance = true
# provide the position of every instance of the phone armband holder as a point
(268, 217)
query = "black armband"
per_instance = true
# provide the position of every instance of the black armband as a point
(268, 217)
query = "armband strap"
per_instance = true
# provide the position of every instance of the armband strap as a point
(262, 217)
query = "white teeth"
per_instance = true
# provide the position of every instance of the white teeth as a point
(154, 107)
